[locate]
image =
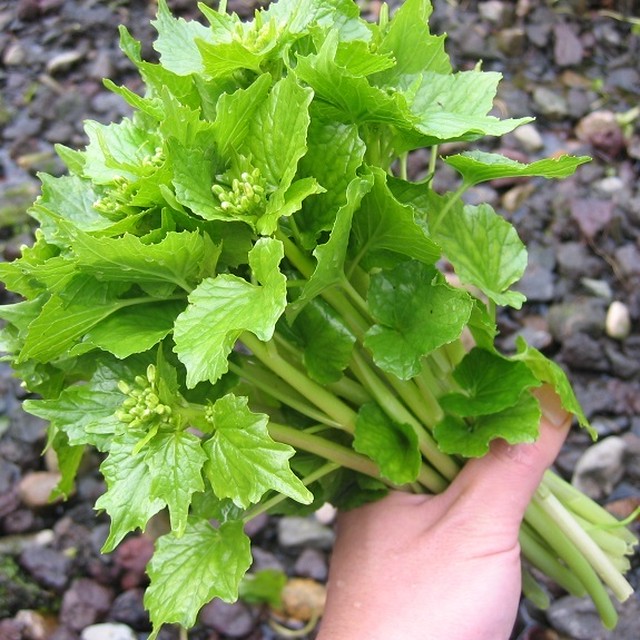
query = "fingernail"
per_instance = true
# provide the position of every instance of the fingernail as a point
(551, 405)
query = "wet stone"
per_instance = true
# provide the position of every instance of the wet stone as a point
(568, 50)
(312, 563)
(108, 631)
(128, 608)
(294, 531)
(48, 567)
(582, 352)
(550, 103)
(35, 488)
(600, 467)
(233, 620)
(84, 604)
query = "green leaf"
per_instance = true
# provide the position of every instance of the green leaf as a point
(244, 461)
(235, 112)
(189, 571)
(278, 131)
(328, 343)
(128, 499)
(479, 166)
(61, 322)
(175, 463)
(221, 308)
(489, 382)
(285, 202)
(386, 232)
(410, 42)
(68, 459)
(416, 312)
(194, 171)
(72, 197)
(178, 258)
(451, 107)
(77, 410)
(330, 256)
(177, 41)
(483, 248)
(118, 150)
(393, 446)
(471, 437)
(264, 586)
(353, 97)
(132, 330)
(335, 154)
(223, 58)
(551, 373)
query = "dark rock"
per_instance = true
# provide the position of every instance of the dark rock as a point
(233, 620)
(132, 555)
(580, 351)
(85, 603)
(263, 559)
(128, 608)
(578, 619)
(592, 215)
(48, 567)
(576, 260)
(602, 130)
(311, 563)
(567, 49)
(582, 315)
(537, 282)
(628, 259)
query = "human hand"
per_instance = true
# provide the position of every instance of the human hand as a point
(446, 567)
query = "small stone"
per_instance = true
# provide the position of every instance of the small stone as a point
(132, 555)
(599, 288)
(550, 103)
(63, 61)
(610, 186)
(497, 12)
(234, 620)
(618, 322)
(128, 608)
(295, 531)
(568, 50)
(49, 567)
(14, 55)
(592, 215)
(84, 603)
(628, 260)
(326, 514)
(529, 138)
(512, 41)
(602, 130)
(586, 315)
(108, 631)
(600, 467)
(303, 599)
(35, 625)
(312, 564)
(577, 618)
(35, 488)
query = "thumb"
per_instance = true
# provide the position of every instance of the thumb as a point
(503, 482)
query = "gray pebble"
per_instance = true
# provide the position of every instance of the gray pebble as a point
(600, 467)
(294, 531)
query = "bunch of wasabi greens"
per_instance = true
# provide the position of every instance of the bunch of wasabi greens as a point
(240, 299)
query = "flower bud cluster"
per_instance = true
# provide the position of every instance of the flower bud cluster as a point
(246, 195)
(142, 406)
(156, 160)
(110, 204)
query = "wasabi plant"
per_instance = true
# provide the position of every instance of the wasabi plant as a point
(238, 296)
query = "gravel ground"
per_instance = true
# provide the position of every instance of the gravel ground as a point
(571, 64)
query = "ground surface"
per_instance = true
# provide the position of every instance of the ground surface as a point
(571, 64)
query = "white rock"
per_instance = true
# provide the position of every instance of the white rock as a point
(108, 631)
(600, 467)
(618, 321)
(529, 138)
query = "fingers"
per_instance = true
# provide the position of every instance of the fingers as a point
(504, 481)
